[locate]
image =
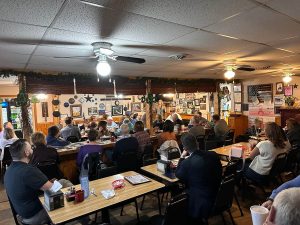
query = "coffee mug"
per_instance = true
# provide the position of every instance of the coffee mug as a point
(79, 196)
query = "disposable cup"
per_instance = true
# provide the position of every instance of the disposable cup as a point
(259, 214)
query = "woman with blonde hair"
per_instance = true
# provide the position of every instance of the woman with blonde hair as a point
(9, 137)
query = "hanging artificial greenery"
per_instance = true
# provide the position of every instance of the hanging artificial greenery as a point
(149, 98)
(22, 98)
(34, 99)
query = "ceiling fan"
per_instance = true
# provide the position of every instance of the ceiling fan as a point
(287, 74)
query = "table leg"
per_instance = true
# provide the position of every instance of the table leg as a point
(159, 205)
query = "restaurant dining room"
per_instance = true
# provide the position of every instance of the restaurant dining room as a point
(149, 112)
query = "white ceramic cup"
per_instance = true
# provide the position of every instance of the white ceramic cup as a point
(259, 214)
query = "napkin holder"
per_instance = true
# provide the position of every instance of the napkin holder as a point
(53, 200)
(237, 151)
(163, 166)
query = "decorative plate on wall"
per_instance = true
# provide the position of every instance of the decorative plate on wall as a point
(66, 104)
(56, 113)
(55, 102)
(71, 100)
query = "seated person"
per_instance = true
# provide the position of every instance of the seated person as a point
(293, 132)
(9, 137)
(22, 182)
(134, 118)
(90, 147)
(42, 152)
(167, 134)
(197, 128)
(172, 112)
(111, 125)
(285, 209)
(264, 154)
(70, 130)
(53, 138)
(220, 128)
(201, 186)
(125, 144)
(289, 184)
(130, 126)
(102, 127)
(202, 120)
(84, 125)
(158, 122)
(92, 125)
(141, 135)
(6, 125)
(176, 120)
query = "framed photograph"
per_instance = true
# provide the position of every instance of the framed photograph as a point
(92, 111)
(180, 101)
(45, 109)
(237, 87)
(117, 110)
(279, 88)
(197, 102)
(76, 110)
(102, 107)
(202, 106)
(136, 107)
(189, 111)
(190, 105)
(288, 90)
(279, 100)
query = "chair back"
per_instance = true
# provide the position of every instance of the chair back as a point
(230, 169)
(279, 164)
(148, 152)
(50, 169)
(229, 137)
(127, 161)
(19, 133)
(17, 218)
(6, 155)
(201, 140)
(176, 211)
(225, 196)
(90, 165)
(73, 139)
(210, 144)
(106, 172)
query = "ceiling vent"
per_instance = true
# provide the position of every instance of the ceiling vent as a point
(178, 57)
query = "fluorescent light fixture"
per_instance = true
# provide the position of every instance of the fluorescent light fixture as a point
(103, 68)
(169, 95)
(287, 79)
(229, 74)
(41, 96)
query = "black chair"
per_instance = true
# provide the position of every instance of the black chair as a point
(17, 218)
(148, 152)
(278, 168)
(91, 164)
(50, 169)
(224, 198)
(229, 137)
(73, 139)
(6, 161)
(19, 133)
(211, 144)
(201, 141)
(106, 172)
(127, 161)
(175, 214)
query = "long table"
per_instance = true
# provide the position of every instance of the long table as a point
(225, 150)
(92, 204)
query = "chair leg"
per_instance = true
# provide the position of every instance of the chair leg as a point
(238, 203)
(137, 210)
(231, 217)
(121, 213)
(162, 198)
(159, 205)
(224, 221)
(142, 204)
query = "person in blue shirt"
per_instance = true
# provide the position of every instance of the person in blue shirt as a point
(289, 184)
(53, 138)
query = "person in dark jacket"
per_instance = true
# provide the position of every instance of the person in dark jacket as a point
(201, 172)
(53, 138)
(293, 132)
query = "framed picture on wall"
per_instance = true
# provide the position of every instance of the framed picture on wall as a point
(92, 111)
(190, 105)
(117, 110)
(279, 88)
(197, 102)
(45, 109)
(76, 110)
(136, 107)
(288, 90)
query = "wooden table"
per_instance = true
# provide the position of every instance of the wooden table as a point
(92, 204)
(225, 150)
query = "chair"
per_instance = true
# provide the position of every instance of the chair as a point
(106, 172)
(17, 218)
(229, 137)
(90, 165)
(224, 198)
(175, 214)
(73, 139)
(50, 169)
(19, 133)
(6, 161)
(278, 167)
(210, 144)
(201, 141)
(127, 161)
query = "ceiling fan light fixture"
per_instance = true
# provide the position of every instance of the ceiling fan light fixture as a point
(287, 79)
(106, 51)
(229, 74)
(103, 68)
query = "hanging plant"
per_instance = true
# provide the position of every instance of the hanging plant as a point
(149, 98)
(22, 98)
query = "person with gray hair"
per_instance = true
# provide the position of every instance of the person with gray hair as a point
(201, 172)
(9, 137)
(197, 129)
(285, 209)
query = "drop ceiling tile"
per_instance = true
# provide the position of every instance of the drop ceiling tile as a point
(58, 51)
(291, 44)
(11, 65)
(13, 58)
(194, 13)
(37, 12)
(288, 7)
(83, 18)
(16, 48)
(258, 25)
(19, 31)
(206, 41)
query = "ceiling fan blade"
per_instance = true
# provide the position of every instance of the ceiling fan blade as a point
(246, 68)
(130, 59)
(76, 57)
(29, 41)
